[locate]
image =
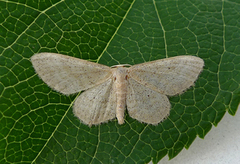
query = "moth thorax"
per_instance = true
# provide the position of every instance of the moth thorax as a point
(120, 77)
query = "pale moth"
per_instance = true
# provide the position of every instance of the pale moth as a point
(142, 88)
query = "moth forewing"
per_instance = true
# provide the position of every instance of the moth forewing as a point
(67, 74)
(168, 76)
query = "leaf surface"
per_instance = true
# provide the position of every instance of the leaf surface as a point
(37, 123)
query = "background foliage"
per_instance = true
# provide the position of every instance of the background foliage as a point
(37, 124)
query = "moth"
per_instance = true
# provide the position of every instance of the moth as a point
(143, 88)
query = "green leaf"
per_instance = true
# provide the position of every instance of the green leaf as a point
(37, 124)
